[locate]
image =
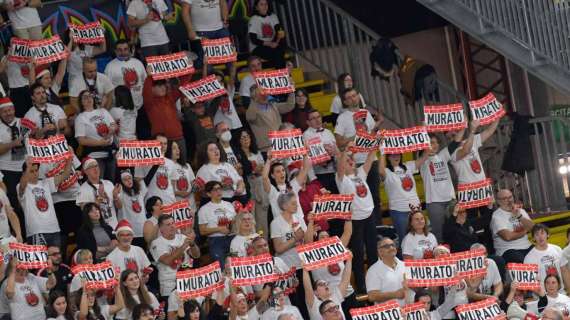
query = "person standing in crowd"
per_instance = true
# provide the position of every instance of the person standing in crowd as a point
(182, 176)
(159, 178)
(80, 51)
(8, 219)
(48, 119)
(266, 35)
(58, 307)
(52, 84)
(146, 18)
(89, 307)
(254, 65)
(385, 279)
(60, 270)
(153, 207)
(18, 83)
(343, 82)
(126, 255)
(224, 136)
(299, 116)
(244, 230)
(95, 234)
(226, 110)
(125, 115)
(198, 122)
(131, 205)
(547, 256)
(25, 19)
(96, 83)
(418, 242)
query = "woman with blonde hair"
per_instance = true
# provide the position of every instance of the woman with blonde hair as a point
(244, 229)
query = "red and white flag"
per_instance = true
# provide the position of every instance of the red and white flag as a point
(274, 81)
(67, 183)
(333, 206)
(181, 212)
(364, 142)
(287, 143)
(526, 275)
(487, 109)
(389, 310)
(415, 311)
(50, 150)
(487, 309)
(19, 50)
(317, 152)
(97, 276)
(287, 281)
(48, 50)
(133, 153)
(431, 272)
(89, 33)
(249, 271)
(170, 66)
(448, 117)
(473, 195)
(203, 90)
(404, 140)
(29, 256)
(470, 263)
(322, 253)
(219, 50)
(199, 282)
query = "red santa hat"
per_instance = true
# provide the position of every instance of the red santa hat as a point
(124, 225)
(5, 102)
(42, 71)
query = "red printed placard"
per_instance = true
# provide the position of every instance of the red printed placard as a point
(89, 33)
(471, 263)
(317, 152)
(181, 212)
(322, 253)
(48, 50)
(487, 309)
(133, 153)
(249, 271)
(431, 273)
(219, 50)
(170, 66)
(97, 276)
(487, 109)
(404, 140)
(287, 143)
(199, 282)
(473, 195)
(29, 256)
(28, 124)
(67, 183)
(274, 82)
(526, 275)
(203, 90)
(333, 206)
(415, 311)
(444, 117)
(387, 310)
(287, 281)
(52, 149)
(19, 50)
(364, 142)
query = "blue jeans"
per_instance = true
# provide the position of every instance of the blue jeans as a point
(196, 47)
(400, 222)
(219, 248)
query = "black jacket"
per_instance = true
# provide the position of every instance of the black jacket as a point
(459, 237)
(86, 238)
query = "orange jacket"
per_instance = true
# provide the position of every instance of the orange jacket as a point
(161, 112)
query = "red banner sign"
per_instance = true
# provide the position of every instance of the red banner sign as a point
(487, 309)
(333, 206)
(473, 195)
(90, 33)
(48, 50)
(219, 50)
(388, 310)
(52, 149)
(322, 253)
(29, 256)
(431, 273)
(470, 263)
(97, 276)
(526, 275)
(134, 153)
(181, 213)
(444, 117)
(170, 66)
(404, 140)
(317, 152)
(415, 311)
(287, 281)
(486, 109)
(274, 82)
(19, 50)
(199, 282)
(287, 143)
(248, 271)
(364, 142)
(203, 90)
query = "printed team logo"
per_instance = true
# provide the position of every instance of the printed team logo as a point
(105, 209)
(266, 30)
(136, 206)
(161, 179)
(253, 165)
(361, 189)
(131, 264)
(333, 269)
(225, 104)
(130, 77)
(475, 165)
(25, 71)
(31, 298)
(549, 264)
(182, 184)
(407, 183)
(425, 247)
(516, 224)
(176, 262)
(223, 220)
(100, 126)
(41, 200)
(431, 169)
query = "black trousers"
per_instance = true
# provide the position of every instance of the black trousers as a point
(329, 182)
(480, 219)
(364, 236)
(11, 180)
(373, 181)
(22, 100)
(275, 58)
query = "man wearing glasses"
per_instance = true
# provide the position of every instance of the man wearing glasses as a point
(385, 278)
(325, 171)
(330, 310)
(61, 271)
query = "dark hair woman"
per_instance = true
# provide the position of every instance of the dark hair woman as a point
(95, 234)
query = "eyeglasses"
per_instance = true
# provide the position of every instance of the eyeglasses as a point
(53, 254)
(507, 198)
(332, 309)
(388, 246)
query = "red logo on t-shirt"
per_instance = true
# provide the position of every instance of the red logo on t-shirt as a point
(361, 189)
(266, 30)
(431, 169)
(227, 182)
(130, 77)
(31, 298)
(161, 181)
(428, 254)
(25, 71)
(40, 199)
(182, 184)
(131, 264)
(475, 165)
(407, 183)
(136, 206)
(333, 269)
(102, 129)
(225, 104)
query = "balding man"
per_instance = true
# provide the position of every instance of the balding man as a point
(98, 84)
(551, 313)
(510, 225)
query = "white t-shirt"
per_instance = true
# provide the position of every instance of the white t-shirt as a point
(245, 85)
(167, 273)
(103, 85)
(31, 290)
(55, 113)
(346, 127)
(221, 172)
(215, 214)
(548, 261)
(240, 244)
(183, 179)
(127, 122)
(419, 246)
(263, 27)
(362, 204)
(561, 302)
(205, 14)
(94, 124)
(327, 138)
(338, 108)
(135, 259)
(385, 279)
(492, 278)
(230, 115)
(272, 314)
(134, 209)
(24, 17)
(130, 73)
(151, 33)
(75, 61)
(469, 169)
(503, 220)
(336, 297)
(4, 222)
(437, 180)
(68, 194)
(88, 194)
(161, 183)
(274, 195)
(17, 74)
(13, 159)
(37, 204)
(281, 229)
(125, 313)
(400, 187)
(332, 274)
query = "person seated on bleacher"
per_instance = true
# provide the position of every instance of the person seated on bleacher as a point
(325, 172)
(418, 242)
(146, 17)
(385, 279)
(547, 256)
(80, 51)
(344, 81)
(224, 136)
(197, 122)
(489, 286)
(266, 36)
(98, 84)
(24, 17)
(299, 116)
(253, 65)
